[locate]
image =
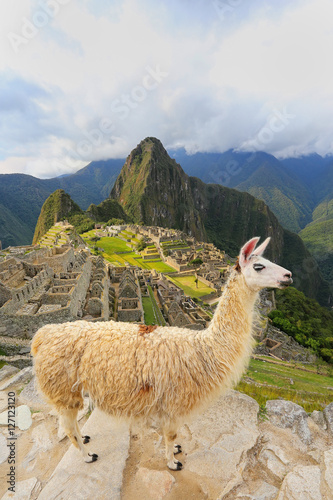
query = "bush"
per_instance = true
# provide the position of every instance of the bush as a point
(141, 245)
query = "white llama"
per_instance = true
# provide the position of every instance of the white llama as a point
(164, 373)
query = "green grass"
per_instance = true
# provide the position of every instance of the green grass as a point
(158, 265)
(310, 390)
(158, 314)
(149, 311)
(187, 284)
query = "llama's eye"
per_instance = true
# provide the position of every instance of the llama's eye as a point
(258, 267)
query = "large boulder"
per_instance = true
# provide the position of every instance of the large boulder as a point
(302, 483)
(288, 415)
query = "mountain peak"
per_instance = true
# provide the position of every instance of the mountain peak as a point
(57, 206)
(154, 189)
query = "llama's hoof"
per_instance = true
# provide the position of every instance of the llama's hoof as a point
(175, 465)
(177, 449)
(86, 439)
(92, 457)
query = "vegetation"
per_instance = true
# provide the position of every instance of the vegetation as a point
(190, 287)
(153, 315)
(57, 207)
(196, 262)
(108, 209)
(305, 320)
(265, 381)
(81, 222)
(141, 245)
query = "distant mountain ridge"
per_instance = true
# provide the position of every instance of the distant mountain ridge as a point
(22, 196)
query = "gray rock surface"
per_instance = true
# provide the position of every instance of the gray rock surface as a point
(22, 376)
(289, 415)
(217, 441)
(302, 483)
(328, 415)
(157, 484)
(3, 400)
(24, 490)
(328, 474)
(73, 478)
(319, 419)
(30, 395)
(42, 442)
(7, 371)
(4, 450)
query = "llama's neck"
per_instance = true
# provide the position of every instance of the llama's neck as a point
(234, 313)
(228, 338)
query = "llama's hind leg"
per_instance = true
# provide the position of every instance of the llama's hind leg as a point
(85, 439)
(172, 449)
(68, 421)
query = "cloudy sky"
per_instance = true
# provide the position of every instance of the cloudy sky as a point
(85, 80)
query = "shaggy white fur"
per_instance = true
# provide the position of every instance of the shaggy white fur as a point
(164, 373)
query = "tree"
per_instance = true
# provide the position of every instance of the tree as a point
(141, 245)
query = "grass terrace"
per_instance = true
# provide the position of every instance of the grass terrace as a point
(118, 252)
(266, 380)
(153, 315)
(187, 283)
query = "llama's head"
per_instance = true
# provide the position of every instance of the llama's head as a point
(259, 272)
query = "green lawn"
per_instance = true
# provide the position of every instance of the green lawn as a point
(159, 265)
(187, 283)
(153, 315)
(310, 390)
(148, 309)
(113, 252)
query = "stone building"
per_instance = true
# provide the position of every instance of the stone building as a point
(129, 298)
(99, 304)
(32, 293)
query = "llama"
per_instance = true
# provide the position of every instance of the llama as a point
(151, 372)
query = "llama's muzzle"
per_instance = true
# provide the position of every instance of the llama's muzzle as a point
(285, 283)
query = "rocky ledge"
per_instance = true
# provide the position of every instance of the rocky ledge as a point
(234, 450)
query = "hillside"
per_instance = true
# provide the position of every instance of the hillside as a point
(154, 189)
(57, 207)
(259, 174)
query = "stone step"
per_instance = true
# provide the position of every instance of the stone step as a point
(74, 479)
(22, 376)
(20, 361)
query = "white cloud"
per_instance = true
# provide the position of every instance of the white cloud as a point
(222, 78)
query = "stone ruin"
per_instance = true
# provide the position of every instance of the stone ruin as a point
(100, 299)
(47, 286)
(129, 298)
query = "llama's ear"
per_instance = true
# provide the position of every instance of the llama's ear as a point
(261, 248)
(247, 251)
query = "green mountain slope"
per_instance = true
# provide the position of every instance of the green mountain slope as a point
(108, 209)
(57, 207)
(318, 238)
(259, 174)
(154, 189)
(12, 230)
(289, 200)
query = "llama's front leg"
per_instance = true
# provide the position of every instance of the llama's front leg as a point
(68, 421)
(172, 449)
